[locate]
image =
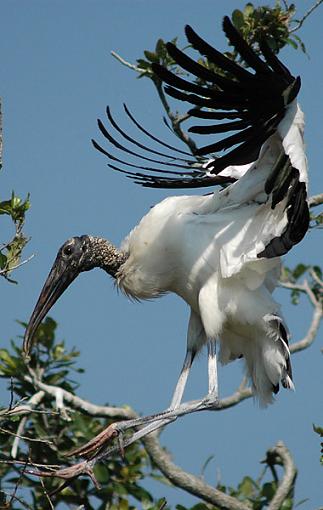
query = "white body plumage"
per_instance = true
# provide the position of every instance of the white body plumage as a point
(204, 248)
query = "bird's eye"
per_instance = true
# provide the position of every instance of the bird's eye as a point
(68, 250)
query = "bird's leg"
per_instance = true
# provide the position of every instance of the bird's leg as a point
(176, 409)
(151, 422)
(99, 445)
(182, 380)
(213, 393)
(196, 336)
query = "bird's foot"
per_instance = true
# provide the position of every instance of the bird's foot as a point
(97, 442)
(101, 443)
(211, 401)
(68, 474)
(100, 446)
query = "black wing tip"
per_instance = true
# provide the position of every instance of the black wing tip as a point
(189, 32)
(226, 22)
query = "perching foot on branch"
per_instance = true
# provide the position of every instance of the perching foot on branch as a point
(100, 446)
(69, 473)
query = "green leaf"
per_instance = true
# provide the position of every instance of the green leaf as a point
(292, 43)
(249, 9)
(151, 56)
(206, 463)
(299, 270)
(318, 430)
(247, 487)
(3, 261)
(268, 490)
(300, 42)
(160, 48)
(287, 504)
(237, 19)
(318, 271)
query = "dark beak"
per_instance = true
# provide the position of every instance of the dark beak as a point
(59, 278)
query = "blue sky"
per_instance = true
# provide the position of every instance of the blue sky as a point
(57, 76)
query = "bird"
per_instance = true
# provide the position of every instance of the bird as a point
(221, 251)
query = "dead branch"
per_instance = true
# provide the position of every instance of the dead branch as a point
(82, 405)
(187, 481)
(32, 402)
(286, 484)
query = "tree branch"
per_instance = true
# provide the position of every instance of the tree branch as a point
(127, 64)
(3, 272)
(187, 481)
(315, 200)
(306, 15)
(286, 484)
(316, 316)
(32, 402)
(83, 405)
(175, 119)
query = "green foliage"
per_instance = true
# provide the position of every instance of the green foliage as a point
(253, 492)
(58, 433)
(46, 434)
(269, 23)
(255, 24)
(314, 278)
(319, 431)
(10, 252)
(15, 208)
(158, 56)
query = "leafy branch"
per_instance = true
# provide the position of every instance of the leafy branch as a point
(53, 420)
(15, 208)
(255, 23)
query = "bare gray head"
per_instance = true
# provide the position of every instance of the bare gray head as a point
(77, 254)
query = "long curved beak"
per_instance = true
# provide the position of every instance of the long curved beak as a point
(60, 277)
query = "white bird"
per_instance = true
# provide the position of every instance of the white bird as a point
(219, 252)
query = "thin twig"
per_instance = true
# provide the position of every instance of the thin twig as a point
(20, 500)
(306, 15)
(11, 393)
(3, 272)
(127, 64)
(309, 337)
(46, 493)
(13, 496)
(175, 119)
(54, 467)
(32, 439)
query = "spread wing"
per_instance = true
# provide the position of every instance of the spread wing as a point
(266, 150)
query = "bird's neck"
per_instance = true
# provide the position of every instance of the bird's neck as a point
(106, 255)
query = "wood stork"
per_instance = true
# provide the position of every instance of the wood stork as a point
(219, 252)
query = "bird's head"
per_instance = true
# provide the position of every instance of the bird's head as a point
(77, 254)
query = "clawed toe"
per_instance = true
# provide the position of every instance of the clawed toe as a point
(69, 473)
(92, 446)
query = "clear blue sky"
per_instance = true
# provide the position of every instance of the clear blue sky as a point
(57, 76)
